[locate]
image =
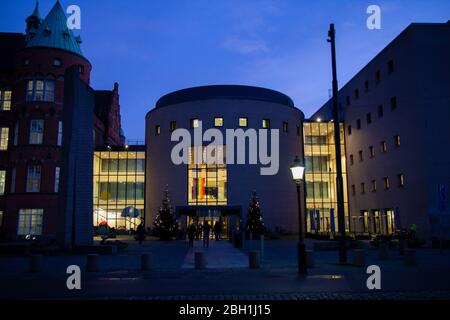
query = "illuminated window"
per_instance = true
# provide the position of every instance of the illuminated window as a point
(2, 182)
(34, 178)
(374, 185)
(4, 137)
(60, 133)
(401, 180)
(386, 183)
(41, 90)
(30, 222)
(57, 62)
(383, 146)
(372, 151)
(243, 122)
(36, 131)
(218, 122)
(397, 140)
(157, 130)
(57, 173)
(5, 100)
(173, 126)
(195, 123)
(285, 127)
(207, 183)
(266, 123)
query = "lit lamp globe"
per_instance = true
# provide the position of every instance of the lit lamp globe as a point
(297, 170)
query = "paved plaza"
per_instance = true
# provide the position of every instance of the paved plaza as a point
(227, 275)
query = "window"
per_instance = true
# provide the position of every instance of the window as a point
(347, 100)
(401, 180)
(349, 130)
(372, 151)
(380, 111)
(358, 124)
(356, 94)
(353, 190)
(2, 182)
(81, 69)
(173, 126)
(298, 131)
(34, 178)
(397, 140)
(352, 160)
(13, 180)
(243, 122)
(218, 122)
(57, 172)
(383, 146)
(266, 123)
(374, 185)
(60, 133)
(157, 130)
(4, 137)
(57, 62)
(386, 183)
(30, 222)
(16, 134)
(363, 188)
(393, 103)
(390, 66)
(369, 118)
(5, 100)
(40, 90)
(377, 76)
(360, 153)
(194, 123)
(36, 131)
(366, 86)
(285, 127)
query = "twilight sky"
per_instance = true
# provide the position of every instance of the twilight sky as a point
(152, 47)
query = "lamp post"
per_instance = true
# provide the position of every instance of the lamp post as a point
(298, 170)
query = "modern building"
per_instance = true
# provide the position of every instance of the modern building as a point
(32, 86)
(396, 112)
(220, 190)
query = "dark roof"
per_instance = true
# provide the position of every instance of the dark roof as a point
(10, 44)
(54, 33)
(238, 92)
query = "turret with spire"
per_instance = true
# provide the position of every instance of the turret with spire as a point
(33, 22)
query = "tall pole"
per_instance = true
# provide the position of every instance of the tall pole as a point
(337, 141)
(301, 250)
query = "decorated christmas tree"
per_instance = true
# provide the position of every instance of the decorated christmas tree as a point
(254, 223)
(165, 224)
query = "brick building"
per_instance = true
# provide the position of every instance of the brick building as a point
(32, 68)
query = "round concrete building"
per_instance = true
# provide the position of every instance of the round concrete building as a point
(257, 133)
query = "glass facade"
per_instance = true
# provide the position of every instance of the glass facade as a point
(119, 178)
(320, 177)
(207, 183)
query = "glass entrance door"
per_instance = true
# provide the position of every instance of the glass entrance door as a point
(212, 222)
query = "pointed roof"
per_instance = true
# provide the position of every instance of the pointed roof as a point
(54, 33)
(35, 11)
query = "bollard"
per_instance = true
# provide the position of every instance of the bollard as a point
(254, 259)
(146, 261)
(310, 258)
(383, 251)
(200, 260)
(410, 257)
(35, 263)
(92, 263)
(358, 257)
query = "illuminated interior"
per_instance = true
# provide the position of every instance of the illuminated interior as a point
(320, 175)
(119, 189)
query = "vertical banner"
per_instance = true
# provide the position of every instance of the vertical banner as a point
(332, 223)
(311, 220)
(318, 220)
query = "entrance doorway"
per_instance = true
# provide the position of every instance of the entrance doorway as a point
(212, 222)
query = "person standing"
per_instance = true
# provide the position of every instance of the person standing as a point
(140, 231)
(206, 231)
(191, 234)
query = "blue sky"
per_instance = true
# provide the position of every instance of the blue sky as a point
(152, 47)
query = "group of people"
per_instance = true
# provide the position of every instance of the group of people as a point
(194, 230)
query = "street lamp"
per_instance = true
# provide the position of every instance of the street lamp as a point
(298, 170)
